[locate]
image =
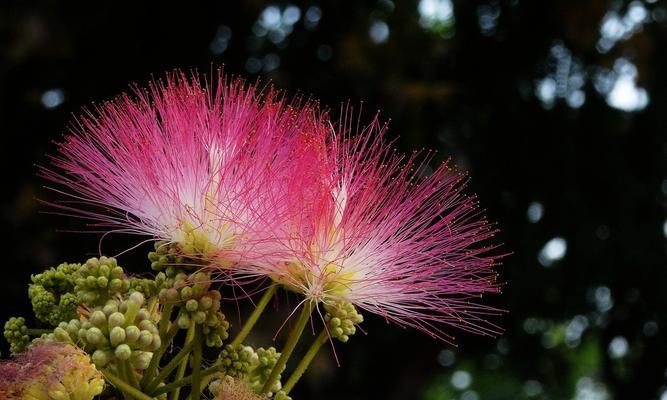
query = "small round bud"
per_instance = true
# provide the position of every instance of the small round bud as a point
(110, 308)
(94, 336)
(98, 319)
(145, 338)
(132, 334)
(186, 292)
(101, 358)
(116, 319)
(116, 284)
(155, 343)
(117, 335)
(116, 272)
(137, 298)
(123, 352)
(142, 360)
(183, 321)
(199, 317)
(104, 270)
(102, 281)
(61, 335)
(142, 314)
(147, 325)
(205, 303)
(191, 305)
(92, 262)
(172, 295)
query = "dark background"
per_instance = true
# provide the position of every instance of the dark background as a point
(556, 108)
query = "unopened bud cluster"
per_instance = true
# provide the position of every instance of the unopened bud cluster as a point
(120, 331)
(99, 279)
(166, 255)
(266, 360)
(237, 361)
(52, 294)
(341, 318)
(16, 334)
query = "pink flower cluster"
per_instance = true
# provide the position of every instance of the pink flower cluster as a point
(263, 187)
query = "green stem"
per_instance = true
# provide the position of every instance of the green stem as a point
(173, 363)
(292, 340)
(305, 361)
(124, 387)
(195, 391)
(256, 313)
(167, 337)
(184, 363)
(184, 381)
(129, 373)
(120, 368)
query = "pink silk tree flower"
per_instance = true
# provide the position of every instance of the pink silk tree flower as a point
(379, 232)
(49, 371)
(201, 165)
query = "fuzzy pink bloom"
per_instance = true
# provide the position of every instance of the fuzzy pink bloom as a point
(378, 234)
(203, 165)
(50, 371)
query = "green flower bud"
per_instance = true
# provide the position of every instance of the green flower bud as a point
(104, 270)
(183, 321)
(98, 318)
(116, 319)
(145, 339)
(102, 282)
(116, 273)
(93, 263)
(172, 295)
(191, 305)
(110, 308)
(94, 336)
(123, 352)
(199, 317)
(73, 328)
(132, 334)
(101, 358)
(186, 292)
(155, 343)
(117, 335)
(205, 303)
(142, 360)
(142, 315)
(61, 335)
(137, 298)
(147, 325)
(116, 285)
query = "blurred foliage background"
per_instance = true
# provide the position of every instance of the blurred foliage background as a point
(555, 107)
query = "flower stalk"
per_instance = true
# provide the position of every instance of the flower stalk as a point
(305, 361)
(124, 387)
(292, 340)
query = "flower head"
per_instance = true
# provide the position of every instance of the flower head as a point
(381, 233)
(50, 371)
(201, 165)
(228, 388)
